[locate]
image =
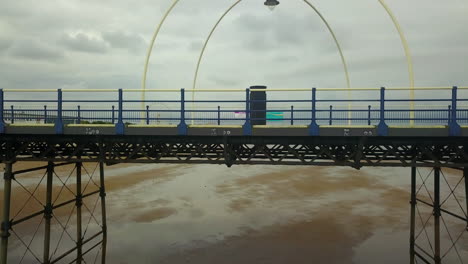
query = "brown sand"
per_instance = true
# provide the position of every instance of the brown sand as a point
(20, 196)
(296, 183)
(323, 239)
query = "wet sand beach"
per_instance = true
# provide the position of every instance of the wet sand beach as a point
(249, 214)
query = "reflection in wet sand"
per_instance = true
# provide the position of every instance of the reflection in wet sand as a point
(268, 214)
(257, 214)
(319, 240)
(155, 214)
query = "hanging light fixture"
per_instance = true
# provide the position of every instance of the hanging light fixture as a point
(271, 4)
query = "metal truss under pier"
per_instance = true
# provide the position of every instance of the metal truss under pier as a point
(280, 150)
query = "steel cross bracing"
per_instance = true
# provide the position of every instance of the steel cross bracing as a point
(439, 215)
(74, 194)
(325, 151)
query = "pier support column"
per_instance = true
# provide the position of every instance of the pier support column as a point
(413, 215)
(465, 175)
(437, 215)
(103, 211)
(79, 203)
(8, 176)
(48, 212)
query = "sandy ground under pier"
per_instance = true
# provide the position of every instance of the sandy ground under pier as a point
(248, 214)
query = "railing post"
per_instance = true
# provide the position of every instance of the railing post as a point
(12, 112)
(182, 127)
(59, 121)
(382, 129)
(247, 127)
(147, 115)
(120, 126)
(79, 114)
(2, 119)
(45, 114)
(449, 114)
(292, 115)
(330, 122)
(113, 115)
(219, 115)
(454, 127)
(314, 127)
(369, 115)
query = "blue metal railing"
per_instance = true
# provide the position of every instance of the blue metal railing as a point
(314, 112)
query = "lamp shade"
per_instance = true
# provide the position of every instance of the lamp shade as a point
(271, 4)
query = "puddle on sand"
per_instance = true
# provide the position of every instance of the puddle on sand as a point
(256, 214)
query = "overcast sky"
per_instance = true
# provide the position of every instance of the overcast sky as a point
(102, 44)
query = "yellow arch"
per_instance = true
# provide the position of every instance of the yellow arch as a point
(174, 3)
(150, 49)
(409, 59)
(343, 60)
(395, 21)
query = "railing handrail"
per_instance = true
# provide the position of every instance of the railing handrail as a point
(237, 90)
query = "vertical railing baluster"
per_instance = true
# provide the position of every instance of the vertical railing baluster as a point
(59, 121)
(79, 115)
(182, 127)
(45, 114)
(147, 115)
(369, 115)
(454, 127)
(449, 114)
(247, 127)
(113, 115)
(219, 115)
(330, 122)
(382, 128)
(120, 127)
(292, 115)
(2, 118)
(12, 114)
(314, 127)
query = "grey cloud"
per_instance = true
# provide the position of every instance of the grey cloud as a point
(124, 40)
(224, 82)
(250, 22)
(286, 58)
(290, 47)
(196, 45)
(4, 44)
(281, 32)
(84, 43)
(35, 50)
